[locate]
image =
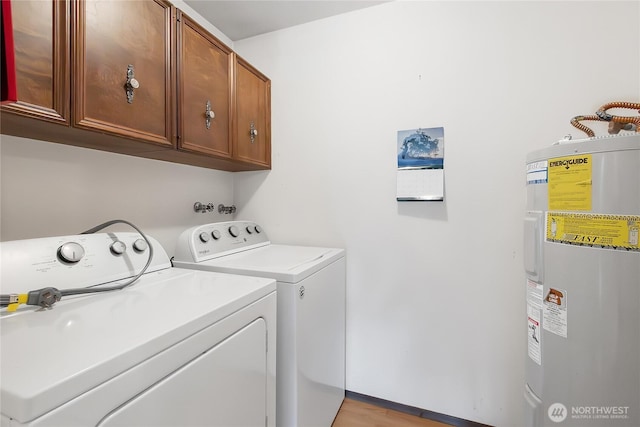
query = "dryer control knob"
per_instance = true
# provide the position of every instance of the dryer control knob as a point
(204, 237)
(233, 230)
(140, 245)
(258, 229)
(249, 229)
(118, 247)
(216, 234)
(71, 252)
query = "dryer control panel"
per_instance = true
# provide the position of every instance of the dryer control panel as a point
(76, 261)
(218, 239)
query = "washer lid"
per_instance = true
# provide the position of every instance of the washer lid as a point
(51, 356)
(285, 263)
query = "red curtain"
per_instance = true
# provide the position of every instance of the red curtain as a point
(9, 92)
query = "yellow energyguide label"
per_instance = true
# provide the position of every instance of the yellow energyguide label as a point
(586, 229)
(569, 183)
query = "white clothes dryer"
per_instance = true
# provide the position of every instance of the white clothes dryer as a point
(310, 374)
(176, 348)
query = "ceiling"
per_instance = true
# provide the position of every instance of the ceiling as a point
(240, 19)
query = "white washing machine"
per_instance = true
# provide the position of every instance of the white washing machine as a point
(311, 311)
(176, 348)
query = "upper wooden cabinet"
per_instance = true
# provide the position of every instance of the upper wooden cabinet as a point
(122, 69)
(41, 39)
(252, 125)
(139, 78)
(205, 67)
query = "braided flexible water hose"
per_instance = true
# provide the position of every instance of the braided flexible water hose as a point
(615, 122)
(576, 123)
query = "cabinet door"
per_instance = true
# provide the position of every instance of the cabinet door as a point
(122, 81)
(204, 87)
(41, 43)
(252, 126)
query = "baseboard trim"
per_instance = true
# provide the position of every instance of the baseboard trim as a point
(412, 410)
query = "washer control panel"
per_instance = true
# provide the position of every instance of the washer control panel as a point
(219, 239)
(76, 261)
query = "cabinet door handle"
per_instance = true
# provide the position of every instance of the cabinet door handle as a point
(253, 132)
(208, 115)
(131, 83)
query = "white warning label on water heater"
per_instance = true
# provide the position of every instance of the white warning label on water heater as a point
(533, 338)
(537, 172)
(555, 311)
(534, 308)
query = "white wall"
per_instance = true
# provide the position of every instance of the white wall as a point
(435, 295)
(51, 189)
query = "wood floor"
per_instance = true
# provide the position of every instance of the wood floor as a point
(354, 413)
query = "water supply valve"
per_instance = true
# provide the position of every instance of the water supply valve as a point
(226, 209)
(202, 208)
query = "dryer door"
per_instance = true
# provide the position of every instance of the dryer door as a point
(223, 387)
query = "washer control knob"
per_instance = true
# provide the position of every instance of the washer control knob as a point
(204, 237)
(233, 230)
(216, 234)
(118, 248)
(249, 230)
(140, 245)
(258, 229)
(71, 252)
